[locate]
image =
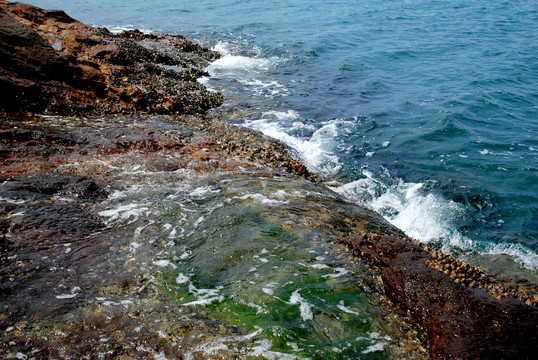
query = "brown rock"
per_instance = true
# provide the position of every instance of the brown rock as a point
(461, 322)
(52, 63)
(28, 66)
(106, 52)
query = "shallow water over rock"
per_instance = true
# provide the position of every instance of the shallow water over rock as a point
(112, 254)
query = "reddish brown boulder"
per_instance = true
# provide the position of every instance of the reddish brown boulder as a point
(460, 322)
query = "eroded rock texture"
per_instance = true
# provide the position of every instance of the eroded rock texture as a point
(461, 322)
(52, 63)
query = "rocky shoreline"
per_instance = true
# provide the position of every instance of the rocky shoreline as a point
(137, 103)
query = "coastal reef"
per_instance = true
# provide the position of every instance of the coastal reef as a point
(136, 224)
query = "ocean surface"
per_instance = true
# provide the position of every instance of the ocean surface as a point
(425, 111)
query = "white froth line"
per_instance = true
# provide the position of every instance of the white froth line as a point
(521, 255)
(205, 301)
(124, 212)
(339, 272)
(182, 279)
(74, 292)
(342, 307)
(214, 346)
(304, 307)
(66, 296)
(263, 348)
(11, 201)
(267, 291)
(164, 263)
(380, 346)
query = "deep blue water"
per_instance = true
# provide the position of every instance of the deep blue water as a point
(426, 111)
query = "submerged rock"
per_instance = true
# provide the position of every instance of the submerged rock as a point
(100, 222)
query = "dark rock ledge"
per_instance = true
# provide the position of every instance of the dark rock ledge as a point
(53, 64)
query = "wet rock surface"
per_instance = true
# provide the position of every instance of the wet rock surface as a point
(462, 321)
(69, 282)
(64, 279)
(70, 285)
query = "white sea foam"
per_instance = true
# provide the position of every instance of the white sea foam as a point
(316, 151)
(74, 292)
(133, 246)
(116, 29)
(203, 80)
(203, 192)
(263, 347)
(339, 272)
(261, 198)
(12, 201)
(267, 291)
(259, 309)
(182, 279)
(425, 216)
(215, 345)
(342, 307)
(198, 221)
(164, 263)
(246, 70)
(375, 343)
(521, 254)
(282, 115)
(264, 88)
(129, 212)
(203, 296)
(160, 356)
(66, 296)
(380, 346)
(235, 63)
(304, 307)
(205, 301)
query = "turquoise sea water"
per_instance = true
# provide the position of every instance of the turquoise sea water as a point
(426, 111)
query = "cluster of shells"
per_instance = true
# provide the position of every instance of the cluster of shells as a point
(472, 276)
(268, 153)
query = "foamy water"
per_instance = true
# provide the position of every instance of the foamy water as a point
(240, 267)
(420, 212)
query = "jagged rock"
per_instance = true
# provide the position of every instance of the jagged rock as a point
(52, 63)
